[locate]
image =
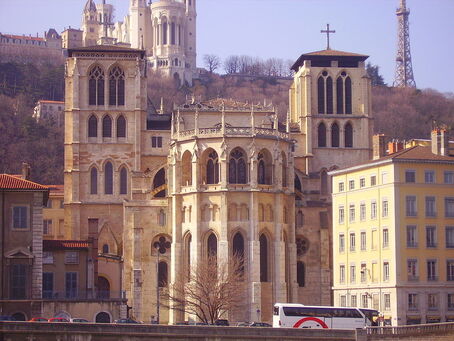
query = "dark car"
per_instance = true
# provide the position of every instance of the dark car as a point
(7, 318)
(260, 324)
(127, 320)
(221, 322)
(58, 320)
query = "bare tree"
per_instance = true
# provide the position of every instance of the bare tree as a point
(231, 65)
(212, 62)
(209, 290)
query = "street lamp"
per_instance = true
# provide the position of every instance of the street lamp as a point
(161, 246)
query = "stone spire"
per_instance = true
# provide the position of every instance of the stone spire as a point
(90, 6)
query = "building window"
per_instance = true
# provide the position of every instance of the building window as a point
(449, 177)
(429, 177)
(385, 238)
(364, 301)
(352, 242)
(450, 302)
(386, 271)
(343, 301)
(156, 141)
(325, 94)
(385, 208)
(48, 257)
(18, 281)
(373, 210)
(353, 301)
(352, 274)
(123, 181)
(449, 207)
(108, 178)
(362, 182)
(92, 126)
(412, 269)
(334, 135)
(71, 285)
(94, 181)
(449, 237)
(105, 248)
(321, 135)
(341, 186)
(71, 257)
(263, 241)
(116, 86)
(48, 284)
(212, 169)
(301, 274)
(412, 237)
(430, 207)
(341, 243)
(351, 213)
(162, 274)
(373, 180)
(362, 211)
(432, 270)
(121, 126)
(363, 241)
(450, 270)
(410, 176)
(47, 226)
(238, 168)
(363, 273)
(20, 217)
(410, 206)
(351, 184)
(107, 126)
(412, 301)
(348, 131)
(342, 274)
(387, 299)
(96, 86)
(431, 236)
(341, 214)
(432, 300)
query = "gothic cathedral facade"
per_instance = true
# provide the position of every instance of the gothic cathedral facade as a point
(159, 192)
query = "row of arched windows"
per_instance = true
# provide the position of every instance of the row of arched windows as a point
(335, 135)
(106, 126)
(108, 173)
(325, 91)
(97, 86)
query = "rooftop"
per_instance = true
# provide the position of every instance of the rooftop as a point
(324, 58)
(217, 104)
(50, 102)
(105, 48)
(11, 182)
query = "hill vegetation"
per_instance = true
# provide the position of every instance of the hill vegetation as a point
(399, 113)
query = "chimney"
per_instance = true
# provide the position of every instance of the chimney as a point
(395, 146)
(25, 171)
(440, 141)
(378, 146)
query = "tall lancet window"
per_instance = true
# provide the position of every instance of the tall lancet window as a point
(96, 86)
(108, 178)
(164, 33)
(172, 33)
(325, 94)
(237, 167)
(344, 94)
(335, 135)
(321, 135)
(116, 86)
(348, 131)
(212, 168)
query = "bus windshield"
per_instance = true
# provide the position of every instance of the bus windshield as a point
(371, 315)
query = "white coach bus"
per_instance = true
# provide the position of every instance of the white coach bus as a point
(291, 315)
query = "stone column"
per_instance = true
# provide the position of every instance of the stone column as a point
(279, 281)
(292, 285)
(137, 280)
(255, 292)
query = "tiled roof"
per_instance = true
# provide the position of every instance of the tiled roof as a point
(13, 182)
(50, 245)
(46, 101)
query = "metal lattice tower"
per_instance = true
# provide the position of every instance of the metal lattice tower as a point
(404, 70)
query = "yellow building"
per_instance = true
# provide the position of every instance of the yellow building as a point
(393, 234)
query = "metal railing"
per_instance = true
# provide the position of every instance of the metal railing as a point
(233, 131)
(411, 330)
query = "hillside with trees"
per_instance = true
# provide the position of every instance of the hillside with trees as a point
(399, 113)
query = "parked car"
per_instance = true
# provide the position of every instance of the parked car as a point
(221, 322)
(78, 320)
(126, 320)
(260, 324)
(58, 320)
(38, 319)
(7, 318)
(243, 324)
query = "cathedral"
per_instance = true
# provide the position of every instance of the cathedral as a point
(165, 29)
(161, 191)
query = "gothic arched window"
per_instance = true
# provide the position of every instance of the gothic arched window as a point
(212, 245)
(93, 126)
(237, 167)
(348, 95)
(324, 182)
(96, 86)
(105, 248)
(116, 86)
(335, 135)
(108, 178)
(321, 134)
(238, 249)
(164, 33)
(172, 34)
(325, 94)
(263, 258)
(121, 126)
(340, 95)
(187, 244)
(284, 170)
(321, 95)
(162, 274)
(158, 181)
(94, 181)
(344, 94)
(107, 126)
(301, 274)
(348, 131)
(123, 181)
(186, 165)
(212, 168)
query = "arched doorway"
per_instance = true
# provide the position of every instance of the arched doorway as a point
(103, 287)
(102, 317)
(19, 317)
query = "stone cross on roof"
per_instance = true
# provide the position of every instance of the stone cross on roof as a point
(327, 31)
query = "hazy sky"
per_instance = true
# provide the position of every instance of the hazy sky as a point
(286, 29)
